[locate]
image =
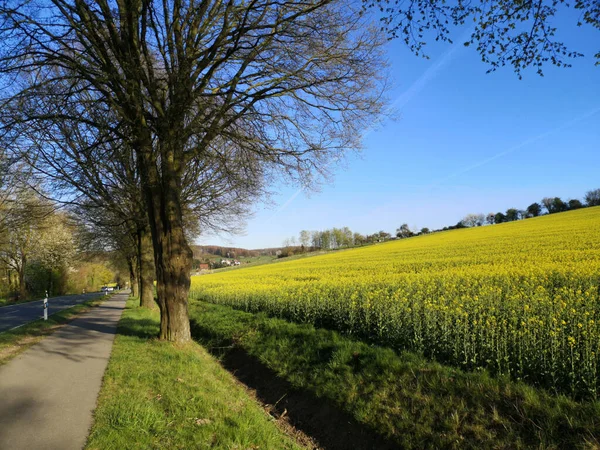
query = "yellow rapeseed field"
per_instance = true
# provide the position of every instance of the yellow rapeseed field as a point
(519, 298)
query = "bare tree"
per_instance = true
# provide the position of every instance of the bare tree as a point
(285, 87)
(110, 228)
(473, 220)
(505, 32)
(305, 238)
(95, 175)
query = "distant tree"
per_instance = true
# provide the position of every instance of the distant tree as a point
(473, 220)
(512, 214)
(548, 204)
(574, 204)
(592, 198)
(499, 218)
(305, 238)
(55, 246)
(347, 237)
(89, 276)
(359, 239)
(534, 210)
(337, 237)
(558, 205)
(425, 230)
(490, 218)
(24, 222)
(326, 239)
(315, 239)
(403, 231)
(384, 235)
(216, 265)
(468, 220)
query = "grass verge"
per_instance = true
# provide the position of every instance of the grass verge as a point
(159, 395)
(13, 342)
(412, 402)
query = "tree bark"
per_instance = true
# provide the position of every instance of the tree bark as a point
(22, 285)
(173, 256)
(133, 279)
(146, 272)
(173, 282)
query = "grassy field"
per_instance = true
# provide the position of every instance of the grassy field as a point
(377, 398)
(262, 260)
(156, 395)
(13, 342)
(246, 262)
(518, 299)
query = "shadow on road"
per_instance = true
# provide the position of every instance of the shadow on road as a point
(20, 407)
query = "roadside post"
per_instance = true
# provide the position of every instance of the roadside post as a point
(46, 306)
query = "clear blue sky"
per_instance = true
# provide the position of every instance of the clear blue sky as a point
(464, 142)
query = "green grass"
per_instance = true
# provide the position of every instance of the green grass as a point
(262, 260)
(13, 342)
(246, 262)
(402, 396)
(157, 395)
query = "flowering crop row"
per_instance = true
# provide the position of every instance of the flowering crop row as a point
(520, 298)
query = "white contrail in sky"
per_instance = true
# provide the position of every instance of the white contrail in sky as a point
(427, 76)
(401, 101)
(514, 148)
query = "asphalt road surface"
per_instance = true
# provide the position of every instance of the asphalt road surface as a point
(48, 393)
(17, 315)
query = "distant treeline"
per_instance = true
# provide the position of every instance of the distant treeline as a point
(335, 238)
(202, 251)
(548, 205)
(332, 238)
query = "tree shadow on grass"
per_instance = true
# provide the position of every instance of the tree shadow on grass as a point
(319, 418)
(142, 328)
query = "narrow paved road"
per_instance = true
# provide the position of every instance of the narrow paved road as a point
(48, 393)
(16, 315)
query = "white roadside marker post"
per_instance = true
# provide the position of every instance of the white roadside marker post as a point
(46, 307)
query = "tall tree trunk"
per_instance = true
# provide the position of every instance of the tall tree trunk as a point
(172, 255)
(133, 279)
(49, 291)
(146, 272)
(22, 285)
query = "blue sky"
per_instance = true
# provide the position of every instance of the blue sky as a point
(464, 141)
